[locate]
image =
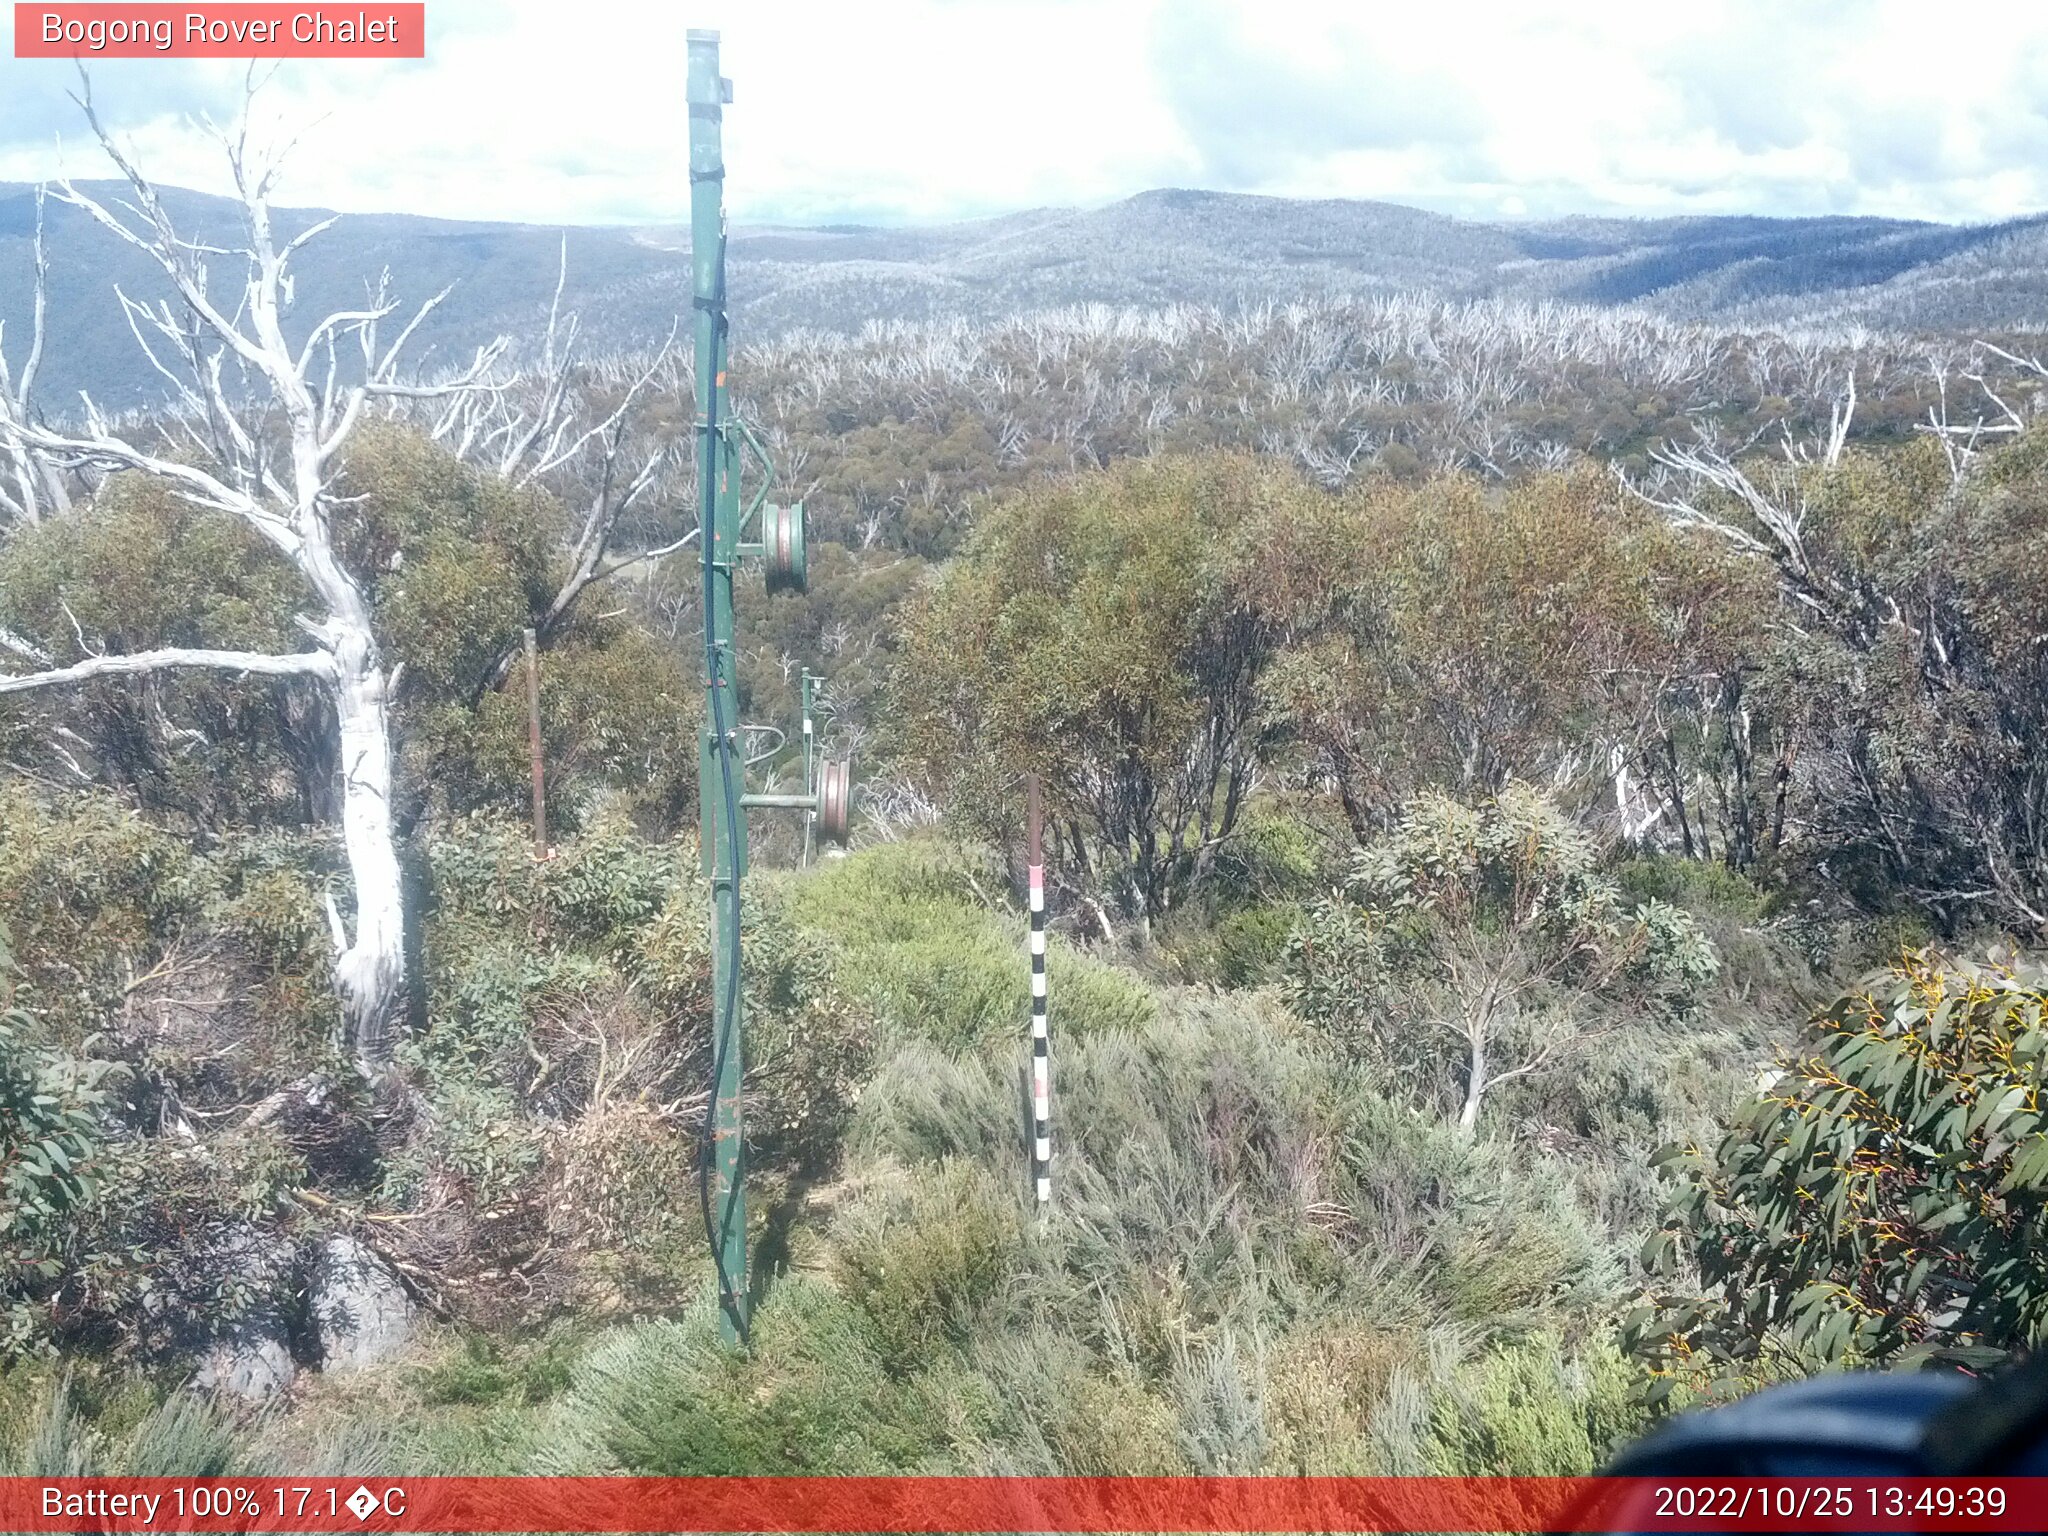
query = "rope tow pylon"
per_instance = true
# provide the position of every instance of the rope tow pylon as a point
(1041, 1033)
(725, 445)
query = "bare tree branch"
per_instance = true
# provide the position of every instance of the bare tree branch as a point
(260, 663)
(27, 650)
(612, 496)
(194, 484)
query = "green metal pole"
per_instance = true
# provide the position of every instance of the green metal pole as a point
(722, 823)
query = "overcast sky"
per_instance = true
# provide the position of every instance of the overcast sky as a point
(923, 110)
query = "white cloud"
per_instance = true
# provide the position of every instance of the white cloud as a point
(934, 109)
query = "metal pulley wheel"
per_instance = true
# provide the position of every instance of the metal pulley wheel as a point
(782, 544)
(835, 800)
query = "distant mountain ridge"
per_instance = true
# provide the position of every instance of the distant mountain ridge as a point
(1157, 248)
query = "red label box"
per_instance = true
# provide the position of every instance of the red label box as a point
(376, 30)
(1196, 1506)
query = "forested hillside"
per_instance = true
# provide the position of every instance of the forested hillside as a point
(1546, 859)
(1162, 248)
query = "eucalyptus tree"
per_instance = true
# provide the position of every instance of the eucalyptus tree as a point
(1905, 689)
(1111, 633)
(1882, 1201)
(262, 409)
(1480, 943)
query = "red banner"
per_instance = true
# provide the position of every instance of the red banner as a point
(1019, 1504)
(244, 31)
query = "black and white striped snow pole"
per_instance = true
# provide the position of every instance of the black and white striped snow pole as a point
(1041, 1038)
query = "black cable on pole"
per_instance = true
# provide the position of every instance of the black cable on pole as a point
(725, 1007)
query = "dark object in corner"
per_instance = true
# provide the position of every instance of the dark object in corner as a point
(1859, 1424)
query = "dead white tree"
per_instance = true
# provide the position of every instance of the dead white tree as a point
(30, 485)
(1757, 519)
(542, 433)
(226, 456)
(1764, 513)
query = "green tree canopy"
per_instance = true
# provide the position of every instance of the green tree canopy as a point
(1480, 943)
(1481, 634)
(1884, 1199)
(1112, 633)
(460, 562)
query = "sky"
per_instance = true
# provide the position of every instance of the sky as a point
(920, 111)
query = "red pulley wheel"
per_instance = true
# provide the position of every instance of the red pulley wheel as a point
(835, 800)
(782, 544)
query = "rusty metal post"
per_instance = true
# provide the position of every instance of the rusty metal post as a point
(540, 795)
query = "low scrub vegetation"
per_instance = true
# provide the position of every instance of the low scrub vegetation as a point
(1526, 954)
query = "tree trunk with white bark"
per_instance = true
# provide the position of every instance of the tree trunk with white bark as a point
(1475, 1091)
(369, 967)
(1475, 1077)
(292, 507)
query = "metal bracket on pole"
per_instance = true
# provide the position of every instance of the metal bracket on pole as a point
(809, 690)
(749, 441)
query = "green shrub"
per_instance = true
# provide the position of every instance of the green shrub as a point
(1883, 1199)
(1220, 1397)
(174, 1248)
(607, 884)
(68, 1425)
(1478, 944)
(1239, 947)
(1049, 1406)
(476, 1132)
(485, 1371)
(474, 1374)
(810, 1026)
(1490, 1233)
(921, 1264)
(620, 718)
(1325, 1382)
(1251, 943)
(926, 948)
(52, 1154)
(924, 1104)
(668, 1399)
(92, 891)
(1698, 885)
(277, 917)
(1532, 1408)
(600, 889)
(276, 925)
(1274, 855)
(486, 997)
